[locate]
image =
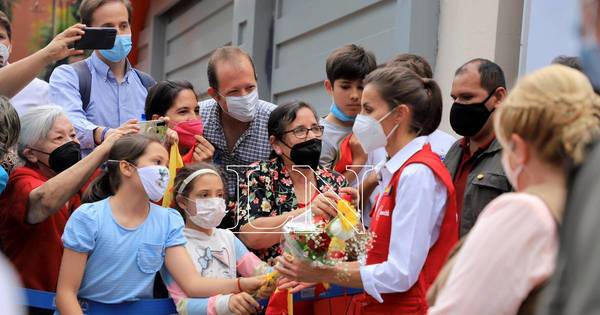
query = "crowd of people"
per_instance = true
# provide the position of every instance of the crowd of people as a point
(500, 221)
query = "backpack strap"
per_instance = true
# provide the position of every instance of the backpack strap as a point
(146, 79)
(85, 82)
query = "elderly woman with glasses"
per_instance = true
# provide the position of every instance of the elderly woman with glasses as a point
(292, 182)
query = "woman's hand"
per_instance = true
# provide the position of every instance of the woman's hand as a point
(109, 141)
(325, 205)
(171, 137)
(353, 192)
(243, 304)
(251, 284)
(293, 286)
(203, 151)
(298, 270)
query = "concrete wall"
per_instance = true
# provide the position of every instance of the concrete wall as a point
(290, 39)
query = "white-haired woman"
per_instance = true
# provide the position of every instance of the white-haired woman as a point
(41, 195)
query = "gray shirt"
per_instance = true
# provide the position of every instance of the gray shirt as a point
(332, 137)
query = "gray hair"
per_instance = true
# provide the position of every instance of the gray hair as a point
(10, 126)
(37, 124)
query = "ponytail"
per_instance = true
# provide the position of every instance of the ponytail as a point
(434, 117)
(99, 189)
(399, 86)
(128, 148)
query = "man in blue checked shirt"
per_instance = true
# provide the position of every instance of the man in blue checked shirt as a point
(113, 92)
(234, 119)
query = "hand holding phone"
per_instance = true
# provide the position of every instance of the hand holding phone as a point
(97, 38)
(154, 128)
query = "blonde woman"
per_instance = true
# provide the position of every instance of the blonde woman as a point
(543, 126)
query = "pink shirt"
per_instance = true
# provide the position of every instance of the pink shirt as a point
(510, 250)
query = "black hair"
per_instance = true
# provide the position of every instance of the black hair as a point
(569, 61)
(282, 116)
(5, 22)
(350, 62)
(162, 95)
(492, 76)
(403, 86)
(128, 148)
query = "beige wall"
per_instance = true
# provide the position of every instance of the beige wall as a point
(476, 28)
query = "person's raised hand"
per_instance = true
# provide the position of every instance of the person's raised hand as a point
(243, 304)
(60, 46)
(203, 151)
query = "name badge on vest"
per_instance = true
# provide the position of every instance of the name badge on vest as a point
(384, 213)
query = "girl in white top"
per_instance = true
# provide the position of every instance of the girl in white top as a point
(199, 193)
(543, 126)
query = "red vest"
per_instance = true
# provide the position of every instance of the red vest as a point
(344, 155)
(414, 300)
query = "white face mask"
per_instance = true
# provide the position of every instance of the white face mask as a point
(4, 53)
(155, 179)
(369, 132)
(242, 108)
(209, 212)
(511, 175)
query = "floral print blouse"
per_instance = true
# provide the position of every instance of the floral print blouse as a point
(268, 191)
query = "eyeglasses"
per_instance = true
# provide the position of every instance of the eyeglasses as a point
(302, 132)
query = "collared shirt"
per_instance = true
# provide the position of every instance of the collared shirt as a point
(510, 251)
(464, 168)
(31, 96)
(440, 142)
(111, 103)
(253, 145)
(416, 221)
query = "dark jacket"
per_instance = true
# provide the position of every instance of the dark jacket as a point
(574, 288)
(485, 182)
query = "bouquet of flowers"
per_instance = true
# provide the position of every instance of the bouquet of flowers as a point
(341, 239)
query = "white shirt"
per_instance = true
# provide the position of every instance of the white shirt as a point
(33, 95)
(440, 144)
(416, 220)
(11, 296)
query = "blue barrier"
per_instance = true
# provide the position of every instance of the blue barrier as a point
(46, 300)
(308, 294)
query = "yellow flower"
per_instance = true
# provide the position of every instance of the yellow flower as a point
(265, 206)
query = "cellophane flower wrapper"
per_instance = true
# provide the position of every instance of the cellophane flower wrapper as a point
(311, 239)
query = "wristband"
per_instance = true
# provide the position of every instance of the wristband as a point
(103, 134)
(239, 285)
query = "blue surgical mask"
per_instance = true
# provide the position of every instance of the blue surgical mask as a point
(337, 113)
(120, 50)
(3, 179)
(590, 61)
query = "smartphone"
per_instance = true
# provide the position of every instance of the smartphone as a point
(154, 128)
(97, 38)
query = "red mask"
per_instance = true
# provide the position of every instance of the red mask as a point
(187, 130)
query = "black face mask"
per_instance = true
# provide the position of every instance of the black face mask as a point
(63, 157)
(306, 153)
(468, 119)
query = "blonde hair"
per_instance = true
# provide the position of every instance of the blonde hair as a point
(553, 109)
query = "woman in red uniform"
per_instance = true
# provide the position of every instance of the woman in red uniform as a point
(414, 219)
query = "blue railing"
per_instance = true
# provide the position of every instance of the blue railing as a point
(46, 300)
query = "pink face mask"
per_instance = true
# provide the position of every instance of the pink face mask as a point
(187, 130)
